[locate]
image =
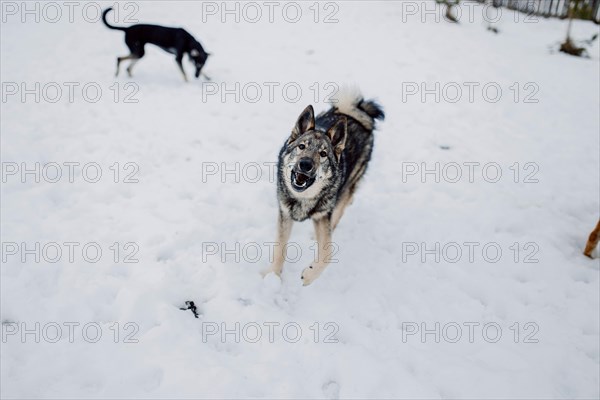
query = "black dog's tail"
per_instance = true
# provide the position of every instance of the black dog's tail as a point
(349, 101)
(109, 25)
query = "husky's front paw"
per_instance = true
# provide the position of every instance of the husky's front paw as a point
(310, 274)
(267, 271)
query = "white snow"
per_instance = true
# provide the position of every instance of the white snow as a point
(367, 304)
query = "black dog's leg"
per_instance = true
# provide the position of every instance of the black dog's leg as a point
(137, 52)
(121, 59)
(125, 58)
(134, 59)
(130, 67)
(179, 60)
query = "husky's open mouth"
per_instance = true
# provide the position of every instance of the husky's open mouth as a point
(301, 181)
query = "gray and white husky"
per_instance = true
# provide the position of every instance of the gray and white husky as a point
(319, 168)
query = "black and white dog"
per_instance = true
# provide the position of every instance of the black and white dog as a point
(173, 40)
(319, 168)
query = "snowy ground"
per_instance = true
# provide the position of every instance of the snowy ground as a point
(362, 321)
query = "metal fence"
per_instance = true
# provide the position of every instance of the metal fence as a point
(583, 9)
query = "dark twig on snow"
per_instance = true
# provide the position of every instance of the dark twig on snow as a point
(191, 306)
(449, 6)
(568, 46)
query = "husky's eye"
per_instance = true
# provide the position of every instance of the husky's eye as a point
(301, 146)
(323, 153)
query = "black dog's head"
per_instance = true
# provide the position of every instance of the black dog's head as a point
(198, 56)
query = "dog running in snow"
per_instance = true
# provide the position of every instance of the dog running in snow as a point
(172, 40)
(319, 167)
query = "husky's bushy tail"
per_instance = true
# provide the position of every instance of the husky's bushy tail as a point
(350, 101)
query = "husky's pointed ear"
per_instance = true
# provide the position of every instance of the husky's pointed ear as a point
(306, 122)
(337, 135)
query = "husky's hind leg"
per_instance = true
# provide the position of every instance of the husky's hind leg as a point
(346, 198)
(338, 211)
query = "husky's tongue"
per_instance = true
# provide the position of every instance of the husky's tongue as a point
(301, 178)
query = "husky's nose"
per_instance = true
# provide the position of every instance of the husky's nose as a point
(305, 164)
